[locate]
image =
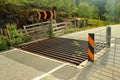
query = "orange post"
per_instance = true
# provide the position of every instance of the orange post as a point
(91, 45)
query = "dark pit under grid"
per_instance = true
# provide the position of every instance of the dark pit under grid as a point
(68, 50)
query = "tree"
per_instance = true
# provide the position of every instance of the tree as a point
(86, 10)
(113, 11)
(100, 4)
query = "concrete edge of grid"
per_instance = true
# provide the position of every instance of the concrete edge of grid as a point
(97, 56)
(81, 66)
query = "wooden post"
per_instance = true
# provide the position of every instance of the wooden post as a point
(51, 33)
(25, 29)
(54, 14)
(78, 23)
(66, 27)
(75, 23)
(42, 26)
(1, 32)
(108, 37)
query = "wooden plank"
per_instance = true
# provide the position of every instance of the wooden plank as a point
(33, 28)
(59, 31)
(33, 25)
(37, 31)
(25, 29)
(63, 23)
(59, 28)
(37, 24)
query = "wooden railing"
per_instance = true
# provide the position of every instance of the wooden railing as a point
(42, 29)
(38, 27)
(60, 28)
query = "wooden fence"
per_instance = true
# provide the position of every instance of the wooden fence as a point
(41, 30)
(60, 28)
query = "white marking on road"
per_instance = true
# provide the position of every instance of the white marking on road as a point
(55, 69)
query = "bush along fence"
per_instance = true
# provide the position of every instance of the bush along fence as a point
(10, 36)
(46, 29)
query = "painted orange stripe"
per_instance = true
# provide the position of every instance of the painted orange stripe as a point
(91, 41)
(39, 15)
(51, 17)
(45, 15)
(91, 55)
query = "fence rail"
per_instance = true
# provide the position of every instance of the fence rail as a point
(36, 24)
(43, 28)
(61, 28)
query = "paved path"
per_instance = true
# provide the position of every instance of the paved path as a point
(104, 68)
(21, 65)
(83, 35)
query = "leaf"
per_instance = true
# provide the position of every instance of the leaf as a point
(76, 43)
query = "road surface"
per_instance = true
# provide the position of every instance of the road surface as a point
(16, 64)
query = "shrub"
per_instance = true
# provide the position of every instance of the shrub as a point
(51, 34)
(16, 36)
(3, 43)
(26, 38)
(96, 22)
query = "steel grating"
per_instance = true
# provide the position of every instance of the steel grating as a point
(68, 50)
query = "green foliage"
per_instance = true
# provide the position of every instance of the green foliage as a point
(16, 2)
(26, 38)
(16, 36)
(83, 23)
(92, 23)
(95, 22)
(100, 4)
(86, 10)
(112, 10)
(93, 9)
(3, 43)
(78, 53)
(51, 34)
(76, 43)
(71, 30)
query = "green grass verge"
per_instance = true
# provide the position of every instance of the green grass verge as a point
(94, 24)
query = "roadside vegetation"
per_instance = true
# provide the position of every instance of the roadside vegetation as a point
(16, 38)
(16, 13)
(20, 11)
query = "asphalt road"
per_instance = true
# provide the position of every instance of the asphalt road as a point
(16, 64)
(83, 35)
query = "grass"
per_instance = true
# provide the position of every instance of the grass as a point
(72, 29)
(16, 38)
(94, 24)
(75, 43)
(79, 53)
